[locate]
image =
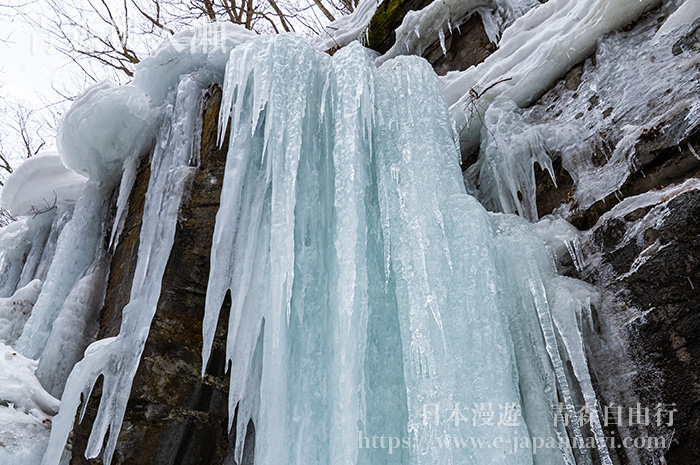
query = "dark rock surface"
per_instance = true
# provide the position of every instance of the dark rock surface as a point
(650, 266)
(466, 45)
(386, 19)
(173, 416)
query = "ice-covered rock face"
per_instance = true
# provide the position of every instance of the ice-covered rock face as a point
(594, 126)
(106, 126)
(40, 184)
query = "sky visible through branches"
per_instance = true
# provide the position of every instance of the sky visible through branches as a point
(40, 73)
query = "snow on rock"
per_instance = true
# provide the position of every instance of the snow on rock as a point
(40, 183)
(206, 46)
(15, 310)
(687, 13)
(561, 238)
(19, 386)
(25, 407)
(593, 128)
(23, 436)
(656, 201)
(346, 29)
(105, 126)
(534, 51)
(420, 29)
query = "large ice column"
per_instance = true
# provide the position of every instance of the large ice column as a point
(117, 358)
(299, 185)
(277, 169)
(443, 259)
(401, 320)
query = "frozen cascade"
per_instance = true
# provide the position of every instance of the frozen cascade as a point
(371, 295)
(75, 250)
(368, 289)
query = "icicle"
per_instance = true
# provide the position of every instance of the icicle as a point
(131, 165)
(571, 299)
(441, 35)
(272, 123)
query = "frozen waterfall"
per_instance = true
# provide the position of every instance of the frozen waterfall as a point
(379, 314)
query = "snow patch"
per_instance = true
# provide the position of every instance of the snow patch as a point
(19, 386)
(39, 184)
(347, 29)
(206, 45)
(15, 310)
(104, 127)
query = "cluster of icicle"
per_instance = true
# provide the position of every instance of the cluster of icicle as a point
(614, 105)
(366, 284)
(54, 259)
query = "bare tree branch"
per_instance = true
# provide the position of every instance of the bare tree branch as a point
(324, 10)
